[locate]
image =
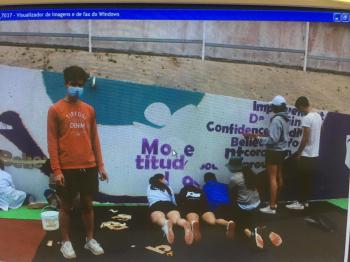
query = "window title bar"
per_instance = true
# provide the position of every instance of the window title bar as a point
(329, 4)
(173, 14)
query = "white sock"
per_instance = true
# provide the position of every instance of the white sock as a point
(165, 227)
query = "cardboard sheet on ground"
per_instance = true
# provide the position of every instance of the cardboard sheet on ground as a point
(130, 244)
(112, 225)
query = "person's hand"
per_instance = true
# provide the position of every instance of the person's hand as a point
(246, 135)
(296, 155)
(103, 175)
(250, 135)
(59, 179)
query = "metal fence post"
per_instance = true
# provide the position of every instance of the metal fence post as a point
(90, 42)
(203, 41)
(307, 29)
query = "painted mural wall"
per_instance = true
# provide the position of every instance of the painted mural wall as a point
(147, 129)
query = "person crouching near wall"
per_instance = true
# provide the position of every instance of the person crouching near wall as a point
(246, 200)
(163, 210)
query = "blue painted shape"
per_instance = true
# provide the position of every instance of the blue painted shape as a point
(122, 102)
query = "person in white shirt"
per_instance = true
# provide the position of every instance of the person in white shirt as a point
(10, 198)
(307, 152)
(163, 210)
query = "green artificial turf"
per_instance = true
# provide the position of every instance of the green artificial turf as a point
(34, 214)
(21, 213)
(340, 202)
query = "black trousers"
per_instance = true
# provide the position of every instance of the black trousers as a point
(246, 218)
(306, 172)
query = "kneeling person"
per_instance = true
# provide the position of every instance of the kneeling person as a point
(243, 185)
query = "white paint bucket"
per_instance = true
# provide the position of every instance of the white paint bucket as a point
(50, 220)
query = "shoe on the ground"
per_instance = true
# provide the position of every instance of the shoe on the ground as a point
(188, 234)
(268, 210)
(168, 231)
(230, 230)
(94, 247)
(295, 206)
(259, 242)
(67, 250)
(196, 231)
(275, 239)
(255, 237)
(36, 205)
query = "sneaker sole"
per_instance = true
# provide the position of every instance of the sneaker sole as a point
(170, 236)
(196, 231)
(188, 235)
(95, 253)
(259, 242)
(36, 205)
(275, 239)
(68, 257)
(230, 232)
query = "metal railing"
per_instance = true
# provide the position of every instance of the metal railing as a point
(172, 41)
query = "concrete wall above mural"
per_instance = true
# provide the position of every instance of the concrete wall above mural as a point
(278, 43)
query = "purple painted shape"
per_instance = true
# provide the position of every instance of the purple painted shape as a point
(147, 148)
(333, 176)
(20, 137)
(208, 166)
(189, 181)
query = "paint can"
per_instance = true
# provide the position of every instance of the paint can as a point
(49, 219)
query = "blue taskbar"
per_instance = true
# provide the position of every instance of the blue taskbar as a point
(173, 14)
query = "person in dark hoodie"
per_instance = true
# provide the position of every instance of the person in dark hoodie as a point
(244, 186)
(276, 146)
(193, 205)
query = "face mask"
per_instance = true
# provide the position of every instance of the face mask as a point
(75, 91)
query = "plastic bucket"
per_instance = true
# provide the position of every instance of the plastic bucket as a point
(50, 220)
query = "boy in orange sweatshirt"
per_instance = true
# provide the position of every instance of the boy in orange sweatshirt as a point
(75, 156)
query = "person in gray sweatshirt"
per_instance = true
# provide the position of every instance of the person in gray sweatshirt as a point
(276, 149)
